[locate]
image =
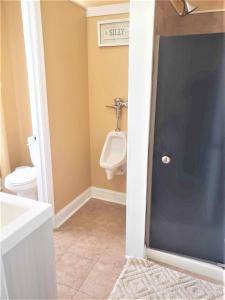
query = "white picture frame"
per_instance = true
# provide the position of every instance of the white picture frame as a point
(113, 33)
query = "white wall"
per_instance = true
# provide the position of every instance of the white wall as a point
(139, 95)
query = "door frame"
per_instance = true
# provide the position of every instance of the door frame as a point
(34, 52)
(140, 66)
(141, 115)
(139, 119)
(186, 263)
(141, 20)
(139, 99)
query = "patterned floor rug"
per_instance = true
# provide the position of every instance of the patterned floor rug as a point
(144, 279)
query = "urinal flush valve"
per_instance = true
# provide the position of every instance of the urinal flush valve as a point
(118, 105)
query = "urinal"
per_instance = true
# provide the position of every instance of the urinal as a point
(114, 154)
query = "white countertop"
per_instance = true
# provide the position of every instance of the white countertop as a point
(19, 218)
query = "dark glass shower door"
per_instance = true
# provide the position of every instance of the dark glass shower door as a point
(188, 180)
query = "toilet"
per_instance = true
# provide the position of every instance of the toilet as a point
(114, 154)
(23, 181)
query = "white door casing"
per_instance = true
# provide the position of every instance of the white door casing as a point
(139, 95)
(34, 50)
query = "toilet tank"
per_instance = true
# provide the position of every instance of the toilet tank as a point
(32, 144)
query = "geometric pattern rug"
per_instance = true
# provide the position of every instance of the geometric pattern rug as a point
(145, 279)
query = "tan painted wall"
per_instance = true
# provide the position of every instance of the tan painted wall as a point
(108, 78)
(78, 88)
(67, 87)
(65, 45)
(14, 84)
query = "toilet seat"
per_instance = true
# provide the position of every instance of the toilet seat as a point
(22, 178)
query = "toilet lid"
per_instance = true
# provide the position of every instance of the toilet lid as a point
(22, 176)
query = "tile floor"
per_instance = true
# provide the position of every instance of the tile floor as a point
(89, 250)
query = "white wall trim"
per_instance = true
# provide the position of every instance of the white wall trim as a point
(108, 195)
(79, 3)
(105, 10)
(139, 92)
(92, 192)
(64, 214)
(192, 265)
(34, 50)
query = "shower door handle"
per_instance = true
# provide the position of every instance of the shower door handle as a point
(166, 159)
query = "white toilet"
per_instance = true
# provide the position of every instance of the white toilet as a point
(114, 154)
(23, 181)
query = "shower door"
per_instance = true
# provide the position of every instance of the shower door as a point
(188, 180)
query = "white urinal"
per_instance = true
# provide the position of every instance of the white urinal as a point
(114, 154)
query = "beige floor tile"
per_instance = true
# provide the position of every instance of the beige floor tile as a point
(90, 251)
(89, 247)
(116, 261)
(72, 270)
(82, 296)
(65, 292)
(116, 246)
(62, 242)
(100, 281)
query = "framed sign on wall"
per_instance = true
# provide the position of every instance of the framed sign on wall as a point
(113, 32)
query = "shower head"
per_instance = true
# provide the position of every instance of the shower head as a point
(183, 7)
(188, 7)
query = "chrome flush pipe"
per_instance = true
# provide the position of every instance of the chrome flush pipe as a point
(118, 105)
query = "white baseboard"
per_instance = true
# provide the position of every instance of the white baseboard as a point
(108, 195)
(67, 211)
(188, 264)
(92, 192)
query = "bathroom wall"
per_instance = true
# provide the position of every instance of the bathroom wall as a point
(107, 79)
(14, 84)
(168, 22)
(65, 46)
(81, 81)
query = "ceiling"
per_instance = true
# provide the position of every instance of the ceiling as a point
(92, 3)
